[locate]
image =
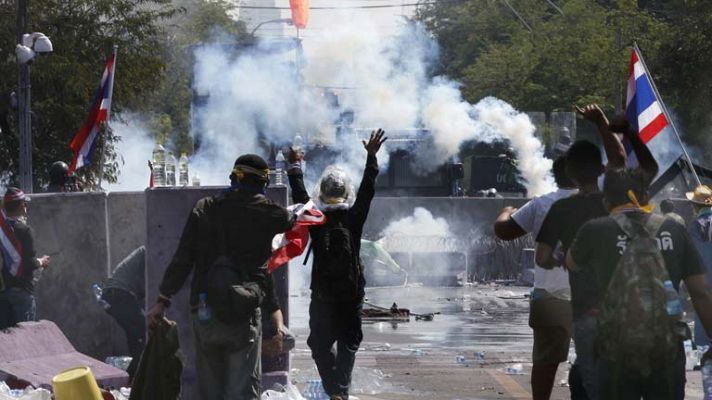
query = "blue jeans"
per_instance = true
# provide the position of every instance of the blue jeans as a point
(585, 329)
(19, 306)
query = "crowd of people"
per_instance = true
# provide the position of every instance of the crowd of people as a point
(605, 267)
(604, 261)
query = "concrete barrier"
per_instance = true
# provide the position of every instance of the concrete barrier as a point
(72, 229)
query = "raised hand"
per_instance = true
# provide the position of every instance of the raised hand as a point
(593, 113)
(374, 142)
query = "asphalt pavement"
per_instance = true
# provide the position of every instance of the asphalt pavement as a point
(478, 347)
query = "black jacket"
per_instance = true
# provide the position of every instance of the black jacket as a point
(29, 258)
(159, 372)
(354, 218)
(250, 221)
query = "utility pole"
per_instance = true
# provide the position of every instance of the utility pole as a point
(23, 105)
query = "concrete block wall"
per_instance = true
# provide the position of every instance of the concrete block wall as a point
(72, 229)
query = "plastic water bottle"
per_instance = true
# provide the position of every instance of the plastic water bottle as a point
(460, 359)
(204, 312)
(183, 170)
(674, 305)
(98, 293)
(159, 165)
(171, 169)
(196, 179)
(279, 164)
(707, 379)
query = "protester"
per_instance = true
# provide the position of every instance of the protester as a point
(225, 245)
(337, 274)
(584, 166)
(640, 346)
(667, 207)
(124, 291)
(19, 262)
(60, 180)
(550, 307)
(700, 229)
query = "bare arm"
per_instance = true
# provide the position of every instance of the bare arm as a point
(646, 161)
(545, 256)
(701, 299)
(615, 152)
(505, 227)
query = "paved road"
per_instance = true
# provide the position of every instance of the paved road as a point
(418, 359)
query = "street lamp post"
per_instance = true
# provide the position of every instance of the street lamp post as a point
(287, 21)
(23, 105)
(28, 46)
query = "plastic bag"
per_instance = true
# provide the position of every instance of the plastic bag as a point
(28, 393)
(289, 392)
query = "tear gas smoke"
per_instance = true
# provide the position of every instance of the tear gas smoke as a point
(133, 150)
(420, 232)
(255, 97)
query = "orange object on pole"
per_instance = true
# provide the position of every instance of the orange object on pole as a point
(300, 13)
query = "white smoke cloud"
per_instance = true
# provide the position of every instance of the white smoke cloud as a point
(133, 150)
(255, 98)
(422, 221)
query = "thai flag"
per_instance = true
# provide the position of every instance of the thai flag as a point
(10, 247)
(84, 141)
(292, 243)
(644, 111)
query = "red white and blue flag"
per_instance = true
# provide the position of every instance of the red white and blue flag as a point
(292, 243)
(644, 111)
(85, 140)
(10, 247)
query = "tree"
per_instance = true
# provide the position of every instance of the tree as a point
(83, 33)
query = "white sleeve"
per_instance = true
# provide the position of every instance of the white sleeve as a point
(525, 217)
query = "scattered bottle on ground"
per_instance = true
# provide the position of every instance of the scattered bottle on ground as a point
(171, 169)
(480, 355)
(707, 379)
(98, 293)
(159, 165)
(514, 369)
(183, 170)
(313, 390)
(279, 165)
(204, 312)
(674, 305)
(460, 359)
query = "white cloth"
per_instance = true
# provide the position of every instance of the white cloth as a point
(530, 217)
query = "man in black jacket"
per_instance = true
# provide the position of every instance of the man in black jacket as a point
(18, 273)
(241, 222)
(337, 274)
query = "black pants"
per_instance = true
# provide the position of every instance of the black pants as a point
(127, 312)
(666, 382)
(338, 323)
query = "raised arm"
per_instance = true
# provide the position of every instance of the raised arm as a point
(646, 161)
(367, 189)
(615, 152)
(296, 177)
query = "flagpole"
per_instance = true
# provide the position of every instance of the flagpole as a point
(667, 114)
(106, 128)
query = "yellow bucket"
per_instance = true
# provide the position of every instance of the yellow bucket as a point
(76, 384)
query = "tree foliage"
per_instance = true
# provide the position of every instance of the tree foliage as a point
(83, 33)
(578, 55)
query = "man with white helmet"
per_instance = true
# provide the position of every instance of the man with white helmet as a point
(337, 283)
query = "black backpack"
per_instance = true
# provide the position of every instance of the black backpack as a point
(234, 291)
(337, 267)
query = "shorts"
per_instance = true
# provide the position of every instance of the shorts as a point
(552, 321)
